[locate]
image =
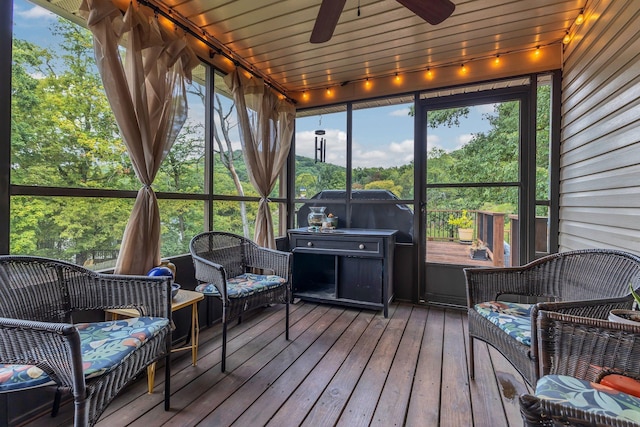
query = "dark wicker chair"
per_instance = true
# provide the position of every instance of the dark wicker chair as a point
(585, 349)
(587, 283)
(38, 299)
(224, 265)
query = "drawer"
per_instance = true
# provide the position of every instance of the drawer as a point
(357, 246)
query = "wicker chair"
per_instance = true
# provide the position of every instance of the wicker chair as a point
(38, 299)
(576, 352)
(587, 282)
(224, 265)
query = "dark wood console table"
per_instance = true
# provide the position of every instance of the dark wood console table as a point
(350, 266)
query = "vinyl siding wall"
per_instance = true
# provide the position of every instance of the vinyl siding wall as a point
(600, 149)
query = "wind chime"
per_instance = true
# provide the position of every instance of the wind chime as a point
(321, 144)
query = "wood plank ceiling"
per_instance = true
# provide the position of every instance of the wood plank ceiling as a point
(271, 37)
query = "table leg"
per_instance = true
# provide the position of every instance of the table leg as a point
(151, 376)
(195, 332)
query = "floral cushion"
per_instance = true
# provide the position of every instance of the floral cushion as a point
(244, 285)
(104, 345)
(511, 317)
(590, 397)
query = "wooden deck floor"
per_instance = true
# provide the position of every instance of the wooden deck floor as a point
(342, 366)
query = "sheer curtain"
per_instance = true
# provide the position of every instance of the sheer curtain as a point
(147, 93)
(266, 126)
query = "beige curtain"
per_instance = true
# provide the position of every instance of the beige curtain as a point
(266, 126)
(146, 90)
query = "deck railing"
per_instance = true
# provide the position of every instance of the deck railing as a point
(495, 230)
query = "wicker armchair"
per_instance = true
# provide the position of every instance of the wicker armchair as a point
(225, 264)
(576, 352)
(38, 299)
(587, 282)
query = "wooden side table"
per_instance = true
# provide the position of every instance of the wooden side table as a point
(183, 299)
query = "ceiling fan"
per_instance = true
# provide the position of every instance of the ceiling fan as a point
(432, 11)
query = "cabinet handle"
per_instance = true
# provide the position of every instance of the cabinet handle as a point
(361, 246)
(310, 244)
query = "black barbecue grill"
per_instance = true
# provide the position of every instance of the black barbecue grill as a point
(397, 216)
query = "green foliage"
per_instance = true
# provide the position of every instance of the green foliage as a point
(386, 184)
(635, 294)
(463, 221)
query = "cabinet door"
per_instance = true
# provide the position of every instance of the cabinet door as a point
(360, 279)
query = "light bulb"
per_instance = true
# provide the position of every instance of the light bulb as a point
(580, 18)
(566, 39)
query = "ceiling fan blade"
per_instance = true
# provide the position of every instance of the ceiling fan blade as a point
(432, 11)
(326, 21)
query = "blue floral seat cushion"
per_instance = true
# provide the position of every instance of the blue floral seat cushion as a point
(589, 397)
(104, 345)
(244, 285)
(513, 318)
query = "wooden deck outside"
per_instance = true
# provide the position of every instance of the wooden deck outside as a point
(342, 366)
(452, 253)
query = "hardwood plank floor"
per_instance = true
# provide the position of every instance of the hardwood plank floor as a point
(342, 366)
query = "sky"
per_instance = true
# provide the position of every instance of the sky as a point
(382, 136)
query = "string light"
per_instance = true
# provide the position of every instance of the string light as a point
(566, 39)
(580, 18)
(496, 59)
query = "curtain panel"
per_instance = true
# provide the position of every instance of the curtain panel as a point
(266, 125)
(144, 70)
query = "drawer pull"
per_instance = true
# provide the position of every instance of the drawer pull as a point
(361, 246)
(310, 244)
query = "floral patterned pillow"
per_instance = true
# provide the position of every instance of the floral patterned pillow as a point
(588, 396)
(244, 285)
(513, 318)
(104, 345)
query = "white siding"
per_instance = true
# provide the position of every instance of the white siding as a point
(600, 149)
